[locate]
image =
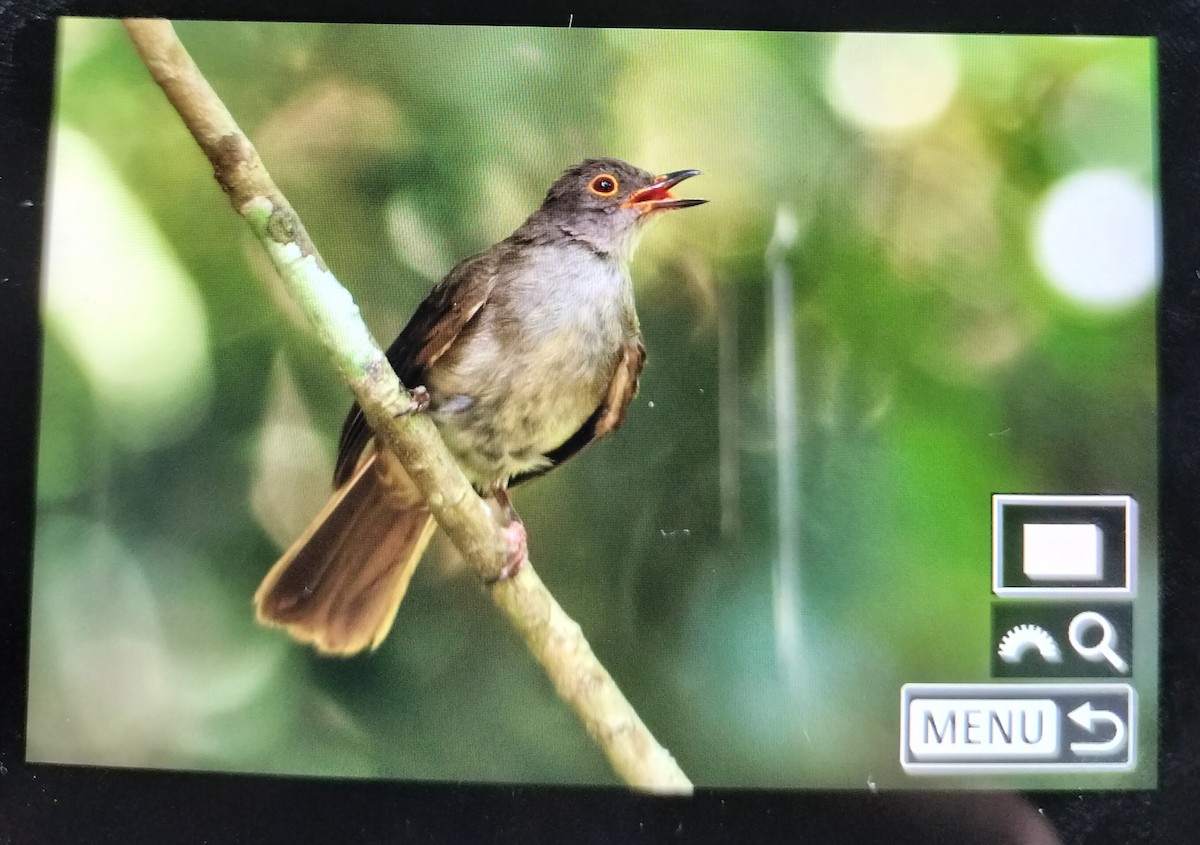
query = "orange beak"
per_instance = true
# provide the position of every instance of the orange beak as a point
(657, 196)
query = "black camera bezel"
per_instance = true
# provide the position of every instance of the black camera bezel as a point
(48, 803)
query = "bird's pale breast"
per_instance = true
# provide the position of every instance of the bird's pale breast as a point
(535, 363)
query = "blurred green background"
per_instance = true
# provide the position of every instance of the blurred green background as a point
(927, 273)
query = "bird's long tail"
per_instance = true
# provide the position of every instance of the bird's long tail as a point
(340, 584)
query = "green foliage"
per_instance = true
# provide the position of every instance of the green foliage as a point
(934, 365)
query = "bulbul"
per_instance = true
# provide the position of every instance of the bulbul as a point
(522, 355)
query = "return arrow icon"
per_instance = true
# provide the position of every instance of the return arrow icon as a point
(1087, 718)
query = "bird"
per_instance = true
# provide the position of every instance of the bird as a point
(521, 355)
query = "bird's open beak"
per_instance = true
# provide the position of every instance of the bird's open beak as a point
(657, 196)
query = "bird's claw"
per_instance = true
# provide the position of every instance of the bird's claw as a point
(518, 551)
(418, 403)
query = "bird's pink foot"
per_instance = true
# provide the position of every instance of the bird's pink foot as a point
(518, 550)
(420, 401)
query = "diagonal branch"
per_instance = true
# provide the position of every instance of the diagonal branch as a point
(554, 639)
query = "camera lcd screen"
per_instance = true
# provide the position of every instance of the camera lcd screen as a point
(882, 515)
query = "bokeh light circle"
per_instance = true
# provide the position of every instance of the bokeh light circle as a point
(892, 82)
(1096, 238)
(122, 302)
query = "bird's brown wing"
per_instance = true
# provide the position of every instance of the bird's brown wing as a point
(437, 323)
(606, 418)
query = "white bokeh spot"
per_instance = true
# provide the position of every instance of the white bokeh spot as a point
(892, 82)
(122, 302)
(1096, 238)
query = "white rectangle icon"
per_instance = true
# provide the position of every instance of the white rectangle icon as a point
(1062, 552)
(973, 729)
(1078, 574)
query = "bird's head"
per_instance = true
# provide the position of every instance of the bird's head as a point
(604, 202)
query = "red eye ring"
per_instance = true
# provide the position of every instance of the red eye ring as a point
(604, 185)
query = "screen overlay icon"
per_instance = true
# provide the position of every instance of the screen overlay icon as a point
(1069, 639)
(1051, 546)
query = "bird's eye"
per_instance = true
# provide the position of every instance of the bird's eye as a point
(603, 185)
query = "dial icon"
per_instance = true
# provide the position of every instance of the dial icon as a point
(1021, 639)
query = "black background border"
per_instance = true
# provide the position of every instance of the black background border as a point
(44, 804)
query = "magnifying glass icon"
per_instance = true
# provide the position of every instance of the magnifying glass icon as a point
(1104, 649)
